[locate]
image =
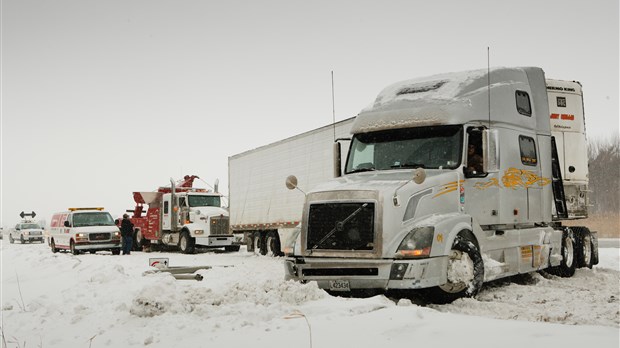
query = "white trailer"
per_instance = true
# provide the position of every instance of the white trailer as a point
(568, 129)
(261, 208)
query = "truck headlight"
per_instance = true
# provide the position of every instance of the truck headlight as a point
(417, 243)
(199, 232)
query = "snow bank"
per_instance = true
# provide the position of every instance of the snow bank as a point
(101, 300)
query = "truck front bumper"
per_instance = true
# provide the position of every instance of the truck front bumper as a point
(97, 246)
(351, 274)
(216, 241)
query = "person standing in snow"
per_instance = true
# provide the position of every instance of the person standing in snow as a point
(127, 234)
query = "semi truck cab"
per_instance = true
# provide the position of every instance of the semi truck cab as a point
(450, 181)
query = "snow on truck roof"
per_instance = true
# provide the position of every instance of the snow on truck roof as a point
(453, 98)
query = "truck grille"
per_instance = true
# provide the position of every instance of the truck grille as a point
(341, 226)
(98, 236)
(219, 225)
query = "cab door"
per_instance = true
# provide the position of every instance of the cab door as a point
(533, 179)
(481, 189)
(166, 213)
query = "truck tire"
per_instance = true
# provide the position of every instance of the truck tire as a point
(116, 251)
(272, 244)
(11, 240)
(138, 240)
(463, 256)
(74, 251)
(259, 244)
(21, 240)
(585, 248)
(53, 246)
(567, 266)
(186, 243)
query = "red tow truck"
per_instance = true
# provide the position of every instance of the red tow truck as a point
(181, 216)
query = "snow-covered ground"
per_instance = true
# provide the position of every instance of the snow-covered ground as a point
(101, 300)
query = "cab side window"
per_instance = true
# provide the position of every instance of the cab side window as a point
(523, 103)
(473, 167)
(527, 146)
(166, 207)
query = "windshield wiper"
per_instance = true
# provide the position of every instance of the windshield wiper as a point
(409, 165)
(339, 226)
(359, 170)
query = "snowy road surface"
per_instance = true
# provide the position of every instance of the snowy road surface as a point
(101, 300)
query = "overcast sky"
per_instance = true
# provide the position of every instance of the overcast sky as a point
(102, 98)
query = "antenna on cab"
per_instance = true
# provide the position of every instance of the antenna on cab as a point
(489, 81)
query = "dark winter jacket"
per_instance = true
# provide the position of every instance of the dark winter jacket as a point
(126, 228)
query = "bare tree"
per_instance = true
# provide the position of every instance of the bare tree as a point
(604, 168)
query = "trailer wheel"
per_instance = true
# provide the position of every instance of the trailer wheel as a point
(585, 247)
(186, 243)
(259, 245)
(272, 244)
(53, 246)
(74, 251)
(567, 266)
(465, 273)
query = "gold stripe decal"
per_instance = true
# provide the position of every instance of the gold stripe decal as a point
(515, 178)
(449, 187)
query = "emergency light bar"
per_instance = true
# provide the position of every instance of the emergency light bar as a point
(95, 208)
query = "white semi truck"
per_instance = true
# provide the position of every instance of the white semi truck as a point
(261, 208)
(451, 181)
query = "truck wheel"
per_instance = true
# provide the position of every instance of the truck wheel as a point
(272, 244)
(259, 244)
(21, 239)
(584, 248)
(116, 251)
(74, 251)
(138, 240)
(465, 273)
(11, 240)
(53, 246)
(186, 243)
(567, 266)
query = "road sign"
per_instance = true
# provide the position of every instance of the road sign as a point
(159, 262)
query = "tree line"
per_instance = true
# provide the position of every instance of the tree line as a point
(604, 174)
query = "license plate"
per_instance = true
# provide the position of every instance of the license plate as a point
(339, 285)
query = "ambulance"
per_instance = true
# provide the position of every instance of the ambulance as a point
(84, 229)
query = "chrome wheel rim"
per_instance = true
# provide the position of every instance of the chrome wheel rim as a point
(568, 251)
(587, 249)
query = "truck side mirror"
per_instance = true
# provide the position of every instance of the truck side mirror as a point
(490, 150)
(291, 182)
(67, 224)
(337, 160)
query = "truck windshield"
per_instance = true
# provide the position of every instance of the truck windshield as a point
(92, 219)
(204, 201)
(425, 147)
